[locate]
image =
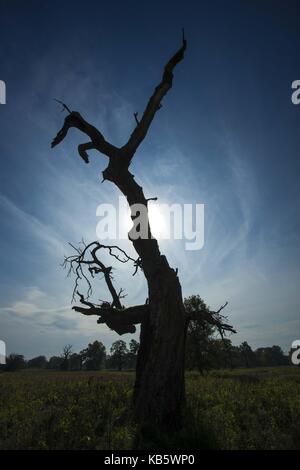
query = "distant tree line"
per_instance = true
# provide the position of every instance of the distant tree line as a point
(94, 357)
(222, 354)
(217, 354)
(205, 350)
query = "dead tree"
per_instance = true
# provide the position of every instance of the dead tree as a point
(159, 387)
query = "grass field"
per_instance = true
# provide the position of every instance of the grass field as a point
(239, 409)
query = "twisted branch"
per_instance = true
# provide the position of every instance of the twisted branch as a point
(214, 318)
(88, 257)
(121, 320)
(154, 103)
(97, 140)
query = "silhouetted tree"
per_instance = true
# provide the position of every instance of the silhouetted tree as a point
(55, 362)
(94, 356)
(134, 347)
(75, 361)
(159, 387)
(118, 353)
(248, 358)
(199, 336)
(66, 354)
(15, 362)
(39, 362)
(271, 356)
(132, 354)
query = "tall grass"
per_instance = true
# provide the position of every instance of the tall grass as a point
(245, 409)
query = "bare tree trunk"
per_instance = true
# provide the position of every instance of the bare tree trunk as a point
(159, 387)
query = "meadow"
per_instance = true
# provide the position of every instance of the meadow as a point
(227, 409)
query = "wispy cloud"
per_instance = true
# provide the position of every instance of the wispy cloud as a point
(36, 323)
(35, 305)
(24, 220)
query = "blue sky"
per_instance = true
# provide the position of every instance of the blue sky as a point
(227, 136)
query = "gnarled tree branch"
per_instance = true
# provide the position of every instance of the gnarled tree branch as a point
(82, 150)
(214, 318)
(98, 141)
(114, 314)
(154, 103)
(88, 257)
(121, 320)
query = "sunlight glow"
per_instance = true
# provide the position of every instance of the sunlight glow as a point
(157, 221)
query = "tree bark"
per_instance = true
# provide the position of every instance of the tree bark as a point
(159, 387)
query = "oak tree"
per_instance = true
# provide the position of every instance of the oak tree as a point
(159, 385)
